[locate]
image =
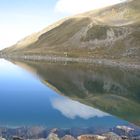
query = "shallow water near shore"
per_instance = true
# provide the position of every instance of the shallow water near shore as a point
(67, 95)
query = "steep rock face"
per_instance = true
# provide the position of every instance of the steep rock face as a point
(111, 32)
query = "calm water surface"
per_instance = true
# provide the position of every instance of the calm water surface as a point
(57, 95)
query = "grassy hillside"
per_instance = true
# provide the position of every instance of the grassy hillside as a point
(111, 33)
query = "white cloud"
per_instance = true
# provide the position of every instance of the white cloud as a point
(72, 109)
(78, 6)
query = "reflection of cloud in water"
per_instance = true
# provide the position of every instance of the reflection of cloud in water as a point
(72, 109)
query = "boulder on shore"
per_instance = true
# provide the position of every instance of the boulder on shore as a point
(91, 137)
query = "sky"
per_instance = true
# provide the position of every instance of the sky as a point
(20, 18)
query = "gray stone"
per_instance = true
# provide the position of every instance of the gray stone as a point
(68, 137)
(112, 136)
(91, 137)
(52, 136)
(2, 138)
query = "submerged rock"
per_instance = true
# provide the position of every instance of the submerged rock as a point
(125, 128)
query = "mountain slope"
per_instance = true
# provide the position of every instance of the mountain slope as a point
(111, 32)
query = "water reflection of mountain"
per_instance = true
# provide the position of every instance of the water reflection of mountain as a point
(113, 90)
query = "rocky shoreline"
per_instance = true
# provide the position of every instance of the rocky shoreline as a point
(100, 61)
(41, 133)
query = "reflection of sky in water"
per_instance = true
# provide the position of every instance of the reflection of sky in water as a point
(24, 100)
